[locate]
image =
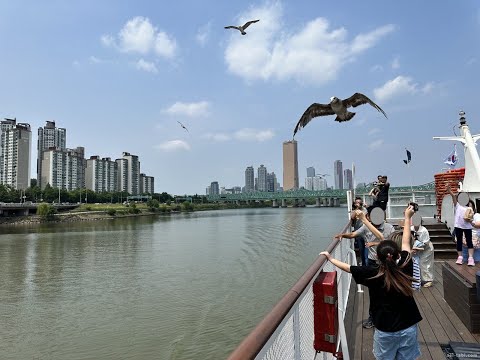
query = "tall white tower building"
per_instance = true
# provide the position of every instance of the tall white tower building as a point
(15, 148)
(129, 174)
(49, 137)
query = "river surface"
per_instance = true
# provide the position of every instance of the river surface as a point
(184, 286)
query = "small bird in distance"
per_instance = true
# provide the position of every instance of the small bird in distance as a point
(183, 126)
(243, 27)
(335, 107)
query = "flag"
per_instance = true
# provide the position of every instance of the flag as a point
(409, 157)
(452, 158)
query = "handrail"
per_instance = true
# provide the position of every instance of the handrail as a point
(259, 336)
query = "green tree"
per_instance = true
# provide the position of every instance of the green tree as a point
(46, 211)
(133, 209)
(187, 206)
(153, 204)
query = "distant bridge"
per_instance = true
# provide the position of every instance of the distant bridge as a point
(328, 197)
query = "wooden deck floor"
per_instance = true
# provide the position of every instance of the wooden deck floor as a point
(440, 324)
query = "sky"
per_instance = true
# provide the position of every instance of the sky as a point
(121, 75)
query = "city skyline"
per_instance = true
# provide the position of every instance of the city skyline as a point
(136, 71)
(62, 167)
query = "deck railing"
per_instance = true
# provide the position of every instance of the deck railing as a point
(397, 201)
(287, 331)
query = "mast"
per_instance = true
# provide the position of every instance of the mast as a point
(471, 181)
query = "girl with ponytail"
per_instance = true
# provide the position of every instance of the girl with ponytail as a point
(394, 311)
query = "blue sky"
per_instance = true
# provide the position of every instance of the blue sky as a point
(120, 74)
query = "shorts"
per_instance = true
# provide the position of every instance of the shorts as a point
(400, 345)
(381, 204)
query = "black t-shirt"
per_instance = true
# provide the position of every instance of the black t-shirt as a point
(383, 193)
(391, 310)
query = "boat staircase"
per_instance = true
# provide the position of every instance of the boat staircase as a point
(442, 240)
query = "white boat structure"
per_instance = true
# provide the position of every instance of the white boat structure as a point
(471, 180)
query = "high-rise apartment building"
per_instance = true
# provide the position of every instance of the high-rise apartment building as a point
(15, 147)
(101, 174)
(309, 183)
(147, 184)
(214, 188)
(338, 174)
(49, 137)
(128, 179)
(63, 168)
(310, 171)
(262, 178)
(319, 183)
(249, 179)
(272, 182)
(290, 165)
(348, 179)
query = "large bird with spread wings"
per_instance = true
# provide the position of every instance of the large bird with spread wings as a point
(335, 107)
(243, 27)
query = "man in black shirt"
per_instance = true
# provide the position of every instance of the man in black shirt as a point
(382, 195)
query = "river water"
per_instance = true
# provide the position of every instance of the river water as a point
(183, 286)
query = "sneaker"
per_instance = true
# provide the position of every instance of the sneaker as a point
(471, 262)
(428, 284)
(368, 324)
(459, 260)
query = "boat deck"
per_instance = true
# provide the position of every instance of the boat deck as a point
(440, 324)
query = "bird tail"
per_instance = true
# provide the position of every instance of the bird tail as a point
(348, 116)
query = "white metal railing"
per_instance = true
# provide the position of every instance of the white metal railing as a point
(293, 339)
(397, 202)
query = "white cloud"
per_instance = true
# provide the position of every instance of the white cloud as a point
(400, 86)
(139, 36)
(173, 145)
(203, 34)
(248, 134)
(218, 137)
(374, 145)
(107, 40)
(195, 109)
(146, 66)
(374, 131)
(396, 63)
(95, 60)
(314, 53)
(376, 68)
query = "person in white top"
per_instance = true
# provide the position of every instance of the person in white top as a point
(462, 226)
(423, 247)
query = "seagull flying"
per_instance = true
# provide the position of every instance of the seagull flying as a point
(242, 28)
(336, 106)
(183, 126)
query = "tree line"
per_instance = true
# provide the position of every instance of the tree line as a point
(54, 195)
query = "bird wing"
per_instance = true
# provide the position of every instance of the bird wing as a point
(232, 27)
(312, 111)
(360, 99)
(248, 23)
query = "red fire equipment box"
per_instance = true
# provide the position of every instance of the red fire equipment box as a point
(325, 312)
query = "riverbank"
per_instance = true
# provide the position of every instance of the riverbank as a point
(96, 212)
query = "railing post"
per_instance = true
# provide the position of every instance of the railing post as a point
(296, 333)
